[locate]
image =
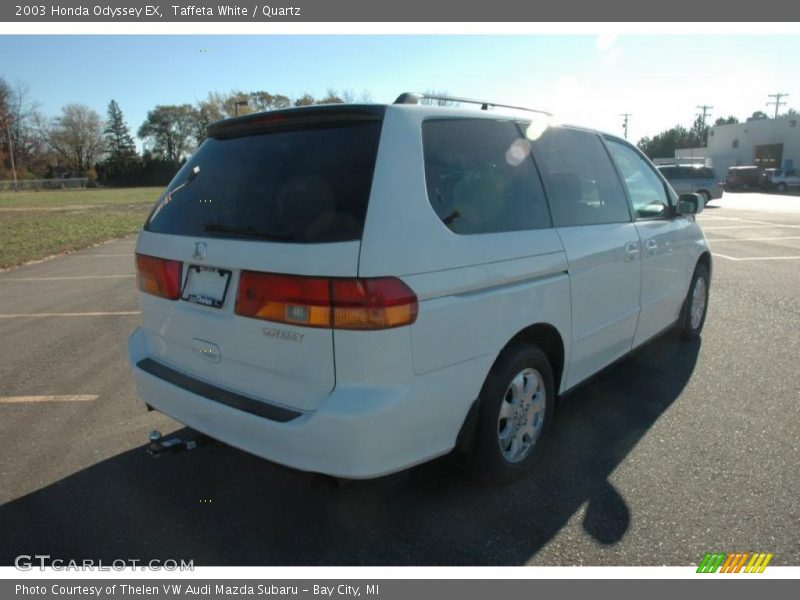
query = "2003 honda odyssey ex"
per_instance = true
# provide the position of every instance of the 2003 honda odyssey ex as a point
(355, 289)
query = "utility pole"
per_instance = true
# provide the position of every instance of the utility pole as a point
(706, 112)
(625, 122)
(777, 101)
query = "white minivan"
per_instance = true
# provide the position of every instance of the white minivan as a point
(356, 289)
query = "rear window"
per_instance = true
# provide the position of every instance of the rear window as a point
(307, 185)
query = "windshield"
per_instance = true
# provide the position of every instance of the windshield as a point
(308, 185)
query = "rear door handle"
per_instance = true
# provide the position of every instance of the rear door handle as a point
(631, 251)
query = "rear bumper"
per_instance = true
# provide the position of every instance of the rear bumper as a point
(359, 432)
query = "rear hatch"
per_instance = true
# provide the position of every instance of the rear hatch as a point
(280, 193)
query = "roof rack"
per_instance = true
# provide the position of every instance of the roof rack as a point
(415, 98)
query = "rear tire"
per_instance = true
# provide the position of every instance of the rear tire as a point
(782, 187)
(515, 413)
(695, 307)
(706, 197)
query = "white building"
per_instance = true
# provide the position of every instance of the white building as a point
(762, 142)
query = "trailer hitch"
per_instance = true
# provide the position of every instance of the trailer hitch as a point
(175, 443)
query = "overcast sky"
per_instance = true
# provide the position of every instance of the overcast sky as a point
(584, 80)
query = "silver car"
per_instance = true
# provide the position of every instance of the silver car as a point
(783, 179)
(687, 179)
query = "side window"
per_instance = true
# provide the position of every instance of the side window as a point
(647, 192)
(668, 172)
(579, 178)
(480, 176)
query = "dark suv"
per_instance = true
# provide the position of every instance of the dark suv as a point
(742, 178)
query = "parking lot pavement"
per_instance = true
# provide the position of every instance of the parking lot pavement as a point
(679, 449)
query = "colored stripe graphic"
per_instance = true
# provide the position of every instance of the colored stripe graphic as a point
(734, 563)
(711, 562)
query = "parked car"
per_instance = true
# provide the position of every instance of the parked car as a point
(784, 179)
(691, 178)
(356, 289)
(765, 178)
(742, 178)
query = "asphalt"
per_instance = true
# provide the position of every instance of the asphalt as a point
(680, 449)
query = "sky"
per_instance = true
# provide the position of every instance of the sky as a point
(582, 79)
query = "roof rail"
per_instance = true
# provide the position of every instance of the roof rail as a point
(415, 98)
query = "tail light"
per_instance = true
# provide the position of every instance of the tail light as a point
(158, 276)
(375, 303)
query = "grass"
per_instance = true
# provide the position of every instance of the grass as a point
(38, 224)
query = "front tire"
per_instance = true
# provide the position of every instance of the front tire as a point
(695, 306)
(782, 187)
(515, 414)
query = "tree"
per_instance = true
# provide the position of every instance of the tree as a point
(262, 101)
(170, 130)
(5, 123)
(305, 100)
(27, 129)
(122, 161)
(699, 131)
(758, 115)
(77, 137)
(664, 144)
(731, 120)
(331, 97)
(5, 116)
(209, 110)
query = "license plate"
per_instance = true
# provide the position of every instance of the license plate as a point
(206, 285)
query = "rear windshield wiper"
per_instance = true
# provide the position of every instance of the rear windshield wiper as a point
(246, 230)
(168, 196)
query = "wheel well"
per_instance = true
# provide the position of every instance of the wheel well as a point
(705, 260)
(549, 340)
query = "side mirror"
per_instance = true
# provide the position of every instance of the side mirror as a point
(690, 204)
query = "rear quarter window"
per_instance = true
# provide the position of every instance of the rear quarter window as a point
(480, 176)
(309, 185)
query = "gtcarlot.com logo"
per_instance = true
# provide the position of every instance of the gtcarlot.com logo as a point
(27, 562)
(738, 562)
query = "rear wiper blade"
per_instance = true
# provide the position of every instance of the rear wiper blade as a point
(246, 230)
(168, 196)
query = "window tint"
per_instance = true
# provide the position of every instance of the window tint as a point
(480, 176)
(709, 173)
(683, 173)
(647, 192)
(579, 178)
(669, 172)
(306, 185)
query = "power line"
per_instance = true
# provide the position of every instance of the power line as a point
(777, 102)
(625, 122)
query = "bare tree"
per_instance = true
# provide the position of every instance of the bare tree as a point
(24, 130)
(77, 137)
